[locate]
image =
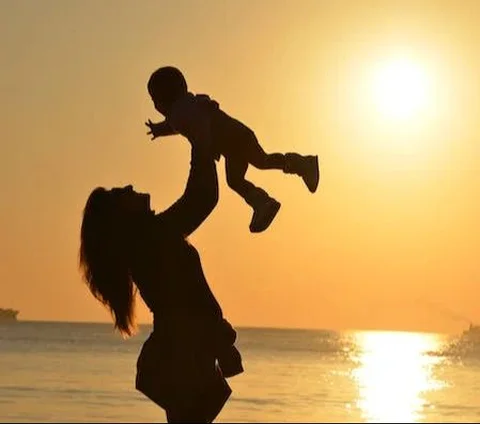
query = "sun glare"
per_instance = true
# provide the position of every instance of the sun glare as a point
(400, 89)
(399, 109)
(395, 375)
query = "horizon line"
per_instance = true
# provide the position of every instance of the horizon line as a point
(248, 327)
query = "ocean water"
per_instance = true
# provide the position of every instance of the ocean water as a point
(72, 372)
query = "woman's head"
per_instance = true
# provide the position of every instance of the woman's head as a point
(110, 218)
(165, 86)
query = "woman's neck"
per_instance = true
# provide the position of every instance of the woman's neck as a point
(139, 232)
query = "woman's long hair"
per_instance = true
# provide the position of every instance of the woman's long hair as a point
(103, 258)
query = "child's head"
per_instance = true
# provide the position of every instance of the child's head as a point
(165, 86)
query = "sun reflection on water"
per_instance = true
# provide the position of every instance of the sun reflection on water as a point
(394, 374)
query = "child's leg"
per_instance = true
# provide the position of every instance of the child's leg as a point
(290, 163)
(265, 208)
(235, 170)
(262, 160)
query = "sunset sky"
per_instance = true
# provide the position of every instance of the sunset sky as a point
(386, 93)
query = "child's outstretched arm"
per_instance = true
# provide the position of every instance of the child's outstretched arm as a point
(159, 129)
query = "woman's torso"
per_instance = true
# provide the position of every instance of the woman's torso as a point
(170, 278)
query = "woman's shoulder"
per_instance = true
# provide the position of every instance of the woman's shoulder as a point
(161, 235)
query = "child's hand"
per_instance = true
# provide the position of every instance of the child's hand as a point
(153, 129)
(159, 129)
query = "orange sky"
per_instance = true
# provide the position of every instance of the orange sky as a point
(395, 216)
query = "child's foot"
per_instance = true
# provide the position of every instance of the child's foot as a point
(305, 167)
(263, 215)
(311, 173)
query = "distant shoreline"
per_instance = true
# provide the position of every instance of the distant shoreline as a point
(240, 327)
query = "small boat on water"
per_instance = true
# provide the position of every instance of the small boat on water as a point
(473, 331)
(8, 315)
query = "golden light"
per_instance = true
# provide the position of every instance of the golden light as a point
(394, 109)
(394, 375)
(400, 88)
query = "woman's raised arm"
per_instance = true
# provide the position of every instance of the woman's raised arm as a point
(200, 196)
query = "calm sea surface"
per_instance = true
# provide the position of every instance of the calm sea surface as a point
(65, 372)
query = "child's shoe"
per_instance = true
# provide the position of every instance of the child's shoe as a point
(304, 166)
(263, 214)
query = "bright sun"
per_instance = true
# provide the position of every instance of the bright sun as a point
(401, 108)
(400, 89)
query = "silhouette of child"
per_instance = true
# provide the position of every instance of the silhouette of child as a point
(199, 117)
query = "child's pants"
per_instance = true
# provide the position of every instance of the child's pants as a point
(240, 147)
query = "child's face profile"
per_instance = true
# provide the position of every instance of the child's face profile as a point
(159, 106)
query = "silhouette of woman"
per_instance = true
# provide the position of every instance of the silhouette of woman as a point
(126, 247)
